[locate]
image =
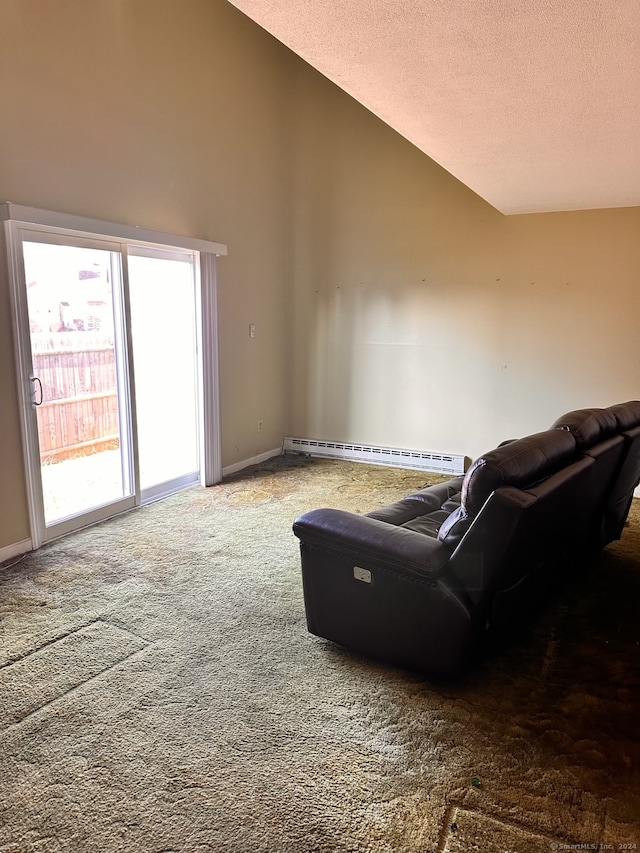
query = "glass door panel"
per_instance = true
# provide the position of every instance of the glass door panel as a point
(162, 305)
(76, 347)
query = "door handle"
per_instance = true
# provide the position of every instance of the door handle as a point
(37, 402)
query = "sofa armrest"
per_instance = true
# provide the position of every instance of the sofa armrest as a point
(369, 540)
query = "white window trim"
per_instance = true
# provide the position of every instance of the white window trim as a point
(98, 227)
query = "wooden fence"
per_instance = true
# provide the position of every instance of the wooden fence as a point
(79, 411)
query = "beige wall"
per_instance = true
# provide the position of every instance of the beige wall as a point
(392, 304)
(424, 318)
(169, 115)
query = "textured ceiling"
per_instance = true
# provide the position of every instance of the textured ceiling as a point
(533, 105)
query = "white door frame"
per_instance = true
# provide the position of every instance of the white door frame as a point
(19, 220)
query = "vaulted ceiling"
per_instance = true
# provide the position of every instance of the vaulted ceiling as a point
(534, 105)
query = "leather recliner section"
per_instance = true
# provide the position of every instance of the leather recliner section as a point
(419, 583)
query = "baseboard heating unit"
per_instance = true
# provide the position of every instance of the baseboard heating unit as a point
(439, 463)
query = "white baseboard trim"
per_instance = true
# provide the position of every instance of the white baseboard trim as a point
(8, 552)
(262, 457)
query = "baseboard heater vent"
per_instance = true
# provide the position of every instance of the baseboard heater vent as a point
(439, 463)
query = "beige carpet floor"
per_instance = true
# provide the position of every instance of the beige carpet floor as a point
(159, 693)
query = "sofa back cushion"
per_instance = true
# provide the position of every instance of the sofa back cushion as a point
(588, 426)
(521, 464)
(604, 435)
(627, 415)
(627, 479)
(521, 531)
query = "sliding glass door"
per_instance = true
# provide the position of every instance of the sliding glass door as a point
(115, 345)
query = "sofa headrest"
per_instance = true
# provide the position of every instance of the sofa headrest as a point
(521, 463)
(627, 415)
(588, 426)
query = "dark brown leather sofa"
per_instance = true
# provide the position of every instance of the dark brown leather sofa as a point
(422, 582)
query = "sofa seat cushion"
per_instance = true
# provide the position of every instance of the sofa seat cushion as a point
(428, 524)
(442, 496)
(453, 503)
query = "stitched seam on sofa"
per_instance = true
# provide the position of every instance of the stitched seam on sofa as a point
(427, 581)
